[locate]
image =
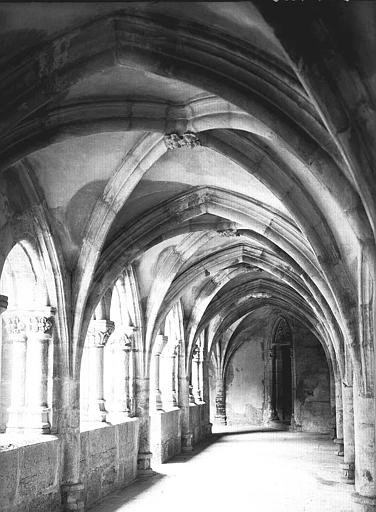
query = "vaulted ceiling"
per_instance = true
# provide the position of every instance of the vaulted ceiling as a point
(267, 210)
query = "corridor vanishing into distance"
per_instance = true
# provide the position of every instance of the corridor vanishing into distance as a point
(243, 469)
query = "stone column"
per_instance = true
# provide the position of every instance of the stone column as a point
(294, 424)
(339, 417)
(365, 462)
(5, 358)
(348, 465)
(132, 377)
(206, 396)
(142, 390)
(123, 347)
(160, 343)
(16, 331)
(157, 385)
(98, 334)
(183, 402)
(274, 385)
(220, 401)
(196, 377)
(268, 387)
(39, 334)
(169, 391)
(71, 486)
(174, 376)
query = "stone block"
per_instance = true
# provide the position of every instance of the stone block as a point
(128, 438)
(43, 503)
(109, 479)
(102, 447)
(29, 478)
(110, 459)
(37, 468)
(8, 477)
(93, 489)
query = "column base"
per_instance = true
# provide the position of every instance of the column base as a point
(186, 442)
(15, 419)
(364, 503)
(117, 417)
(72, 497)
(158, 400)
(348, 472)
(97, 416)
(170, 404)
(36, 420)
(144, 464)
(339, 442)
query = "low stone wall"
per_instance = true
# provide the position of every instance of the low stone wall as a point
(165, 435)
(30, 476)
(199, 422)
(108, 459)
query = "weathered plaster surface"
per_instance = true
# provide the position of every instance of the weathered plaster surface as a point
(245, 384)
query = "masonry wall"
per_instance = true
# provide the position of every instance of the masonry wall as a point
(108, 459)
(245, 384)
(312, 406)
(165, 435)
(248, 371)
(199, 422)
(212, 377)
(30, 477)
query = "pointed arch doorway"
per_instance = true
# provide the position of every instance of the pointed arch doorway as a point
(282, 372)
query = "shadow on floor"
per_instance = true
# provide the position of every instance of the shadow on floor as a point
(126, 495)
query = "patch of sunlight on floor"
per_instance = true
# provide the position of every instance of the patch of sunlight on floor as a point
(252, 470)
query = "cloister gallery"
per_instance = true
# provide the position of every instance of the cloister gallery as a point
(187, 237)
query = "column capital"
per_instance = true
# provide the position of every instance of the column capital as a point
(41, 325)
(99, 332)
(15, 325)
(30, 321)
(196, 353)
(123, 341)
(160, 342)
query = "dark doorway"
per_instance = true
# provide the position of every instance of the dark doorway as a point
(282, 373)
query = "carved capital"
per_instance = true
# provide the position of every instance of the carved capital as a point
(30, 322)
(196, 353)
(187, 140)
(125, 342)
(160, 343)
(99, 332)
(41, 324)
(15, 325)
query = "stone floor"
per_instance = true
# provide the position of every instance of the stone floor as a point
(250, 470)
